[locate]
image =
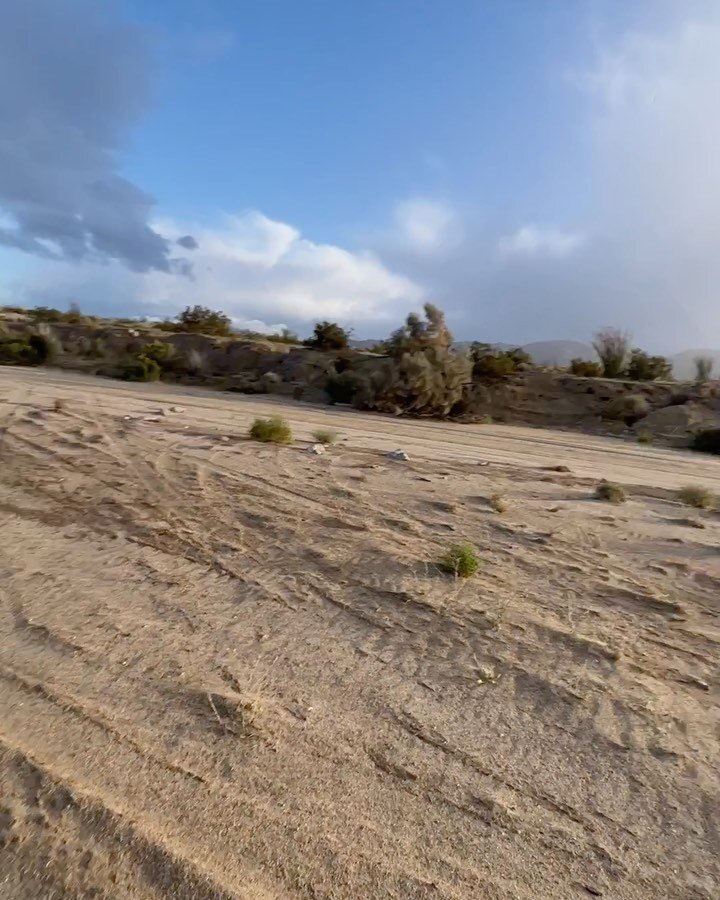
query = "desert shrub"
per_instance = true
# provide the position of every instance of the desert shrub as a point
(16, 351)
(342, 388)
(325, 436)
(645, 437)
(586, 368)
(643, 367)
(59, 404)
(160, 351)
(697, 496)
(707, 440)
(274, 430)
(328, 336)
(461, 560)
(610, 491)
(29, 349)
(628, 408)
(141, 368)
(427, 382)
(498, 503)
(612, 346)
(73, 316)
(703, 368)
(198, 320)
(418, 335)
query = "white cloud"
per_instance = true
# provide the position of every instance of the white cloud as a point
(254, 268)
(531, 241)
(423, 223)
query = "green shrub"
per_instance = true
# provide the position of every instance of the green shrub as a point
(628, 408)
(16, 351)
(328, 336)
(644, 437)
(274, 430)
(613, 347)
(325, 436)
(198, 320)
(610, 491)
(342, 388)
(141, 368)
(697, 496)
(160, 351)
(648, 368)
(32, 349)
(427, 382)
(461, 560)
(707, 441)
(585, 368)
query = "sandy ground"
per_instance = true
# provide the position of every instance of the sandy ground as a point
(232, 670)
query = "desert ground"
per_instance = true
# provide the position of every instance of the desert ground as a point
(230, 669)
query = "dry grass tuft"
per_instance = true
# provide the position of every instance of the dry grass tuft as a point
(325, 436)
(610, 492)
(274, 430)
(697, 496)
(461, 560)
(59, 404)
(498, 502)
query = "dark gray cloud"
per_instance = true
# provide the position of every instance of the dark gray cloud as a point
(188, 242)
(72, 81)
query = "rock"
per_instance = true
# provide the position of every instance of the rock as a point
(224, 438)
(316, 449)
(672, 421)
(151, 418)
(557, 468)
(398, 455)
(177, 409)
(483, 462)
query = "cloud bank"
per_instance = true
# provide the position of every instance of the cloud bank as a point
(643, 254)
(262, 272)
(72, 82)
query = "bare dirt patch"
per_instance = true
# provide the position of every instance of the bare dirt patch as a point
(230, 669)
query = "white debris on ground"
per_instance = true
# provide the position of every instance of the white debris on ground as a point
(398, 454)
(316, 449)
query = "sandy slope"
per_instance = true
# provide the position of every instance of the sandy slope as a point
(230, 670)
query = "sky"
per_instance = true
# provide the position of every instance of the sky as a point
(537, 168)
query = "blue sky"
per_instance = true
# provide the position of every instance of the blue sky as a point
(519, 162)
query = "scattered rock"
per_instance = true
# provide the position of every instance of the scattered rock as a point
(316, 449)
(177, 409)
(557, 468)
(423, 478)
(151, 418)
(483, 462)
(398, 455)
(224, 438)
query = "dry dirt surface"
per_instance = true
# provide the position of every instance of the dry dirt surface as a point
(232, 670)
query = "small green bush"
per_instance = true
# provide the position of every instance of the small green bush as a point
(697, 496)
(707, 441)
(461, 560)
(32, 349)
(644, 437)
(141, 369)
(586, 368)
(274, 430)
(325, 436)
(629, 408)
(610, 491)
